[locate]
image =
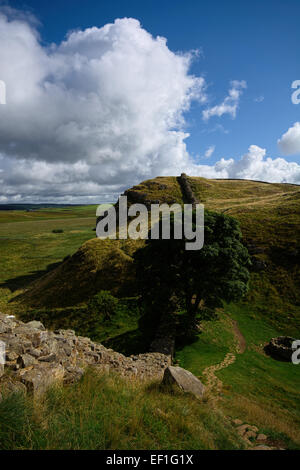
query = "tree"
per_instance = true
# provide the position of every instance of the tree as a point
(171, 278)
(103, 304)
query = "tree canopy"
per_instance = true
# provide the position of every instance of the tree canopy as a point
(169, 275)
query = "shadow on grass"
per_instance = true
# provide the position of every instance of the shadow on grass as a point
(21, 282)
(131, 342)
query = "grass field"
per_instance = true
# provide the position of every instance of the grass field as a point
(106, 413)
(255, 388)
(28, 246)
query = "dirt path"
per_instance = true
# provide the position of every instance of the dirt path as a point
(214, 385)
(240, 337)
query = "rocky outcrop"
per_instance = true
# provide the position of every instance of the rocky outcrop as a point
(35, 358)
(184, 380)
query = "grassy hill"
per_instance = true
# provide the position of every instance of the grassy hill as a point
(269, 215)
(51, 276)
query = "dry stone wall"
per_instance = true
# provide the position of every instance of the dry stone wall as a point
(35, 358)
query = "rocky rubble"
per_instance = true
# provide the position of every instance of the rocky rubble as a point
(35, 358)
(254, 440)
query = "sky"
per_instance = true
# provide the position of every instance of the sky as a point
(100, 96)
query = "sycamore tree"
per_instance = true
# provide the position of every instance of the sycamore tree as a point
(171, 278)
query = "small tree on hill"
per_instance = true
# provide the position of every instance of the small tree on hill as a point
(171, 278)
(103, 304)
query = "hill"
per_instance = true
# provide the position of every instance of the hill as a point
(227, 355)
(269, 215)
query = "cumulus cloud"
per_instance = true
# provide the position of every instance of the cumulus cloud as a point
(106, 106)
(101, 111)
(253, 166)
(289, 143)
(230, 103)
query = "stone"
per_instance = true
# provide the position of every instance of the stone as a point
(49, 358)
(249, 435)
(242, 429)
(38, 379)
(26, 360)
(9, 386)
(36, 325)
(11, 356)
(184, 380)
(252, 428)
(262, 437)
(73, 374)
(237, 422)
(35, 352)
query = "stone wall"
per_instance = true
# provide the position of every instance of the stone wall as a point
(35, 358)
(187, 192)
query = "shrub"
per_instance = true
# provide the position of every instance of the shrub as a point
(104, 304)
(57, 231)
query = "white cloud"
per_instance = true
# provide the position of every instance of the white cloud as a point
(289, 143)
(112, 98)
(99, 112)
(253, 166)
(208, 153)
(230, 103)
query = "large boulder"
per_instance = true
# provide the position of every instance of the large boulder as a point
(184, 380)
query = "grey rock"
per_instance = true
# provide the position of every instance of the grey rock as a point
(49, 358)
(26, 360)
(38, 379)
(36, 325)
(9, 386)
(184, 380)
(262, 437)
(11, 356)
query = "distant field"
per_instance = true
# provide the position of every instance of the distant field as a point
(46, 214)
(28, 246)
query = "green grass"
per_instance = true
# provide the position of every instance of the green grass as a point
(114, 414)
(46, 214)
(120, 332)
(106, 412)
(210, 346)
(29, 247)
(256, 388)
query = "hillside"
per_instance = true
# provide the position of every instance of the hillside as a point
(269, 215)
(243, 383)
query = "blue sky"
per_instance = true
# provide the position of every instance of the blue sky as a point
(255, 43)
